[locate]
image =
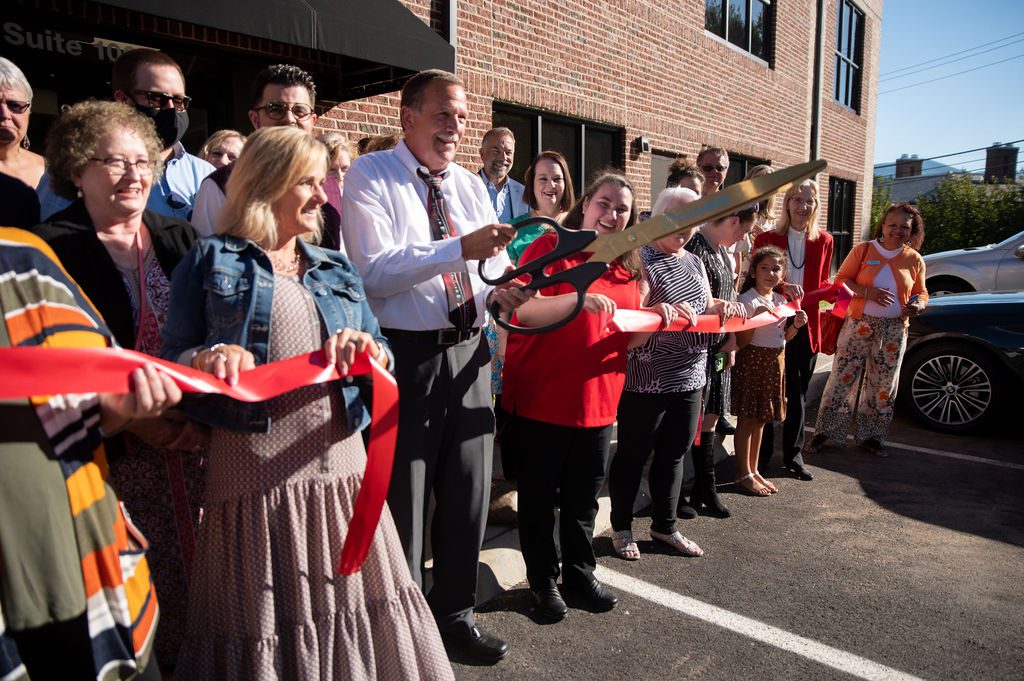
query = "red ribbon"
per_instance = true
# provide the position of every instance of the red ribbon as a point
(645, 320)
(50, 371)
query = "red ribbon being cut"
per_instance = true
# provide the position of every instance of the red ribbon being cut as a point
(50, 371)
(645, 320)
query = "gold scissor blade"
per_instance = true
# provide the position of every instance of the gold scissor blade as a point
(608, 247)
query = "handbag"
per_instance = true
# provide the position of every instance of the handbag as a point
(831, 324)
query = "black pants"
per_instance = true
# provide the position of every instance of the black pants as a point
(799, 371)
(667, 424)
(61, 651)
(571, 462)
(445, 445)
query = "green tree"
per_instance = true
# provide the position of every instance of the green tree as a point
(961, 214)
(881, 197)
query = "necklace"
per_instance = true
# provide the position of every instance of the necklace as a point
(789, 253)
(283, 266)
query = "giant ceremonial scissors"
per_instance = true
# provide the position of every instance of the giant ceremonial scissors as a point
(604, 249)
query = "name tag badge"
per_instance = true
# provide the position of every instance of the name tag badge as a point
(874, 262)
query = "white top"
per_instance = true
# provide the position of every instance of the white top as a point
(209, 200)
(886, 279)
(797, 256)
(772, 335)
(388, 238)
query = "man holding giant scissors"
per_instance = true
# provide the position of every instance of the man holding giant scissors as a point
(413, 219)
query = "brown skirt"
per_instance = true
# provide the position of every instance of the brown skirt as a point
(759, 383)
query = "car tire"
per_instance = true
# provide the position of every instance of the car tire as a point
(940, 286)
(953, 387)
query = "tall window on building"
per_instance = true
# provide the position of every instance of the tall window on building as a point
(747, 24)
(841, 195)
(849, 54)
(587, 146)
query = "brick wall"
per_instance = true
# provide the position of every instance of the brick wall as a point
(649, 67)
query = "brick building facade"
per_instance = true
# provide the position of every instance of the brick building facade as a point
(589, 78)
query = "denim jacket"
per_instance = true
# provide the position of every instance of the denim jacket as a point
(221, 292)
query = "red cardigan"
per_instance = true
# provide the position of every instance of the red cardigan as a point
(817, 269)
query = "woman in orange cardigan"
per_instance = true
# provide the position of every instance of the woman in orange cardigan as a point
(809, 251)
(887, 279)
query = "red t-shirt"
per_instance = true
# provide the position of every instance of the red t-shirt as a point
(572, 376)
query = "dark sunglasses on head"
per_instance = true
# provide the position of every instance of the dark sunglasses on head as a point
(277, 110)
(160, 100)
(16, 107)
(708, 168)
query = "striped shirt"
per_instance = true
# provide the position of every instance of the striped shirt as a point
(671, 362)
(42, 306)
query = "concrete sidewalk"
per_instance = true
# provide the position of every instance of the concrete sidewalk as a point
(501, 562)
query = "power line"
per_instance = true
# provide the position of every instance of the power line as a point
(955, 153)
(958, 73)
(952, 61)
(953, 54)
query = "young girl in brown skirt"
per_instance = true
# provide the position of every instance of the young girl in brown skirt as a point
(758, 391)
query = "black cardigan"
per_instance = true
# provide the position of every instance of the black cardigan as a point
(71, 235)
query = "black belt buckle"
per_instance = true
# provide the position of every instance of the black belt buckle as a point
(454, 336)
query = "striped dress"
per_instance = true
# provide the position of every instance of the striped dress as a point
(671, 362)
(67, 548)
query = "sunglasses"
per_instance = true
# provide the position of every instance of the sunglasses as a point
(709, 168)
(160, 100)
(16, 107)
(277, 110)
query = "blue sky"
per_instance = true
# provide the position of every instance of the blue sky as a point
(960, 112)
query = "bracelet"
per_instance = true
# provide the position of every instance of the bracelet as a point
(117, 430)
(380, 352)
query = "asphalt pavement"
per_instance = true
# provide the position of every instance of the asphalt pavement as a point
(899, 568)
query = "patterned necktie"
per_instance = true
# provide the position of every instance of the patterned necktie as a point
(461, 308)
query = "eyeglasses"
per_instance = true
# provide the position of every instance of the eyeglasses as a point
(160, 100)
(709, 168)
(277, 110)
(16, 107)
(118, 166)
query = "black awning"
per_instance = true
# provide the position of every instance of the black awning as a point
(386, 40)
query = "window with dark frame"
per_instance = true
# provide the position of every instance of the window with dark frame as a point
(841, 197)
(587, 146)
(849, 54)
(747, 24)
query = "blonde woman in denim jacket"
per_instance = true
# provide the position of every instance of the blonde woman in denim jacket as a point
(283, 475)
(887, 279)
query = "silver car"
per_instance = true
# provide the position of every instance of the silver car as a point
(996, 267)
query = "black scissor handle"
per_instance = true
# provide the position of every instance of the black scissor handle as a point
(579, 277)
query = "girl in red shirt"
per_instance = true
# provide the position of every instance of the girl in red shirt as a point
(562, 389)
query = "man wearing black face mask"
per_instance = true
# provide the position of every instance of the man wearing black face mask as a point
(154, 84)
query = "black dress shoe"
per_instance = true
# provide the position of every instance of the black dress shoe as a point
(723, 427)
(474, 645)
(598, 598)
(550, 605)
(800, 472)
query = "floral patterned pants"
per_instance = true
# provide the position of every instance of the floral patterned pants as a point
(867, 364)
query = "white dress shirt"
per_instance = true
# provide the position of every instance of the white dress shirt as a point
(209, 200)
(388, 238)
(797, 256)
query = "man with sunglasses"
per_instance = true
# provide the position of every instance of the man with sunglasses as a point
(154, 84)
(282, 95)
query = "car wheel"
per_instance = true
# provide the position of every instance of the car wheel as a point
(952, 387)
(940, 286)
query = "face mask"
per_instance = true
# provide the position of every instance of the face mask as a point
(170, 123)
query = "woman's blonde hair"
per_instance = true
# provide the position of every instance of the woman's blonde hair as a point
(217, 139)
(765, 213)
(782, 226)
(273, 161)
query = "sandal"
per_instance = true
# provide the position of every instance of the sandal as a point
(766, 482)
(815, 444)
(679, 543)
(749, 487)
(624, 545)
(875, 447)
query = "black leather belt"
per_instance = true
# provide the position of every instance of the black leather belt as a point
(449, 336)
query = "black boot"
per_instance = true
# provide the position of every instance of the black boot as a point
(704, 495)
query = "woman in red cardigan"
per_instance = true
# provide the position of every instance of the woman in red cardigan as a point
(809, 250)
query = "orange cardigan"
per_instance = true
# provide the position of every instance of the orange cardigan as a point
(907, 269)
